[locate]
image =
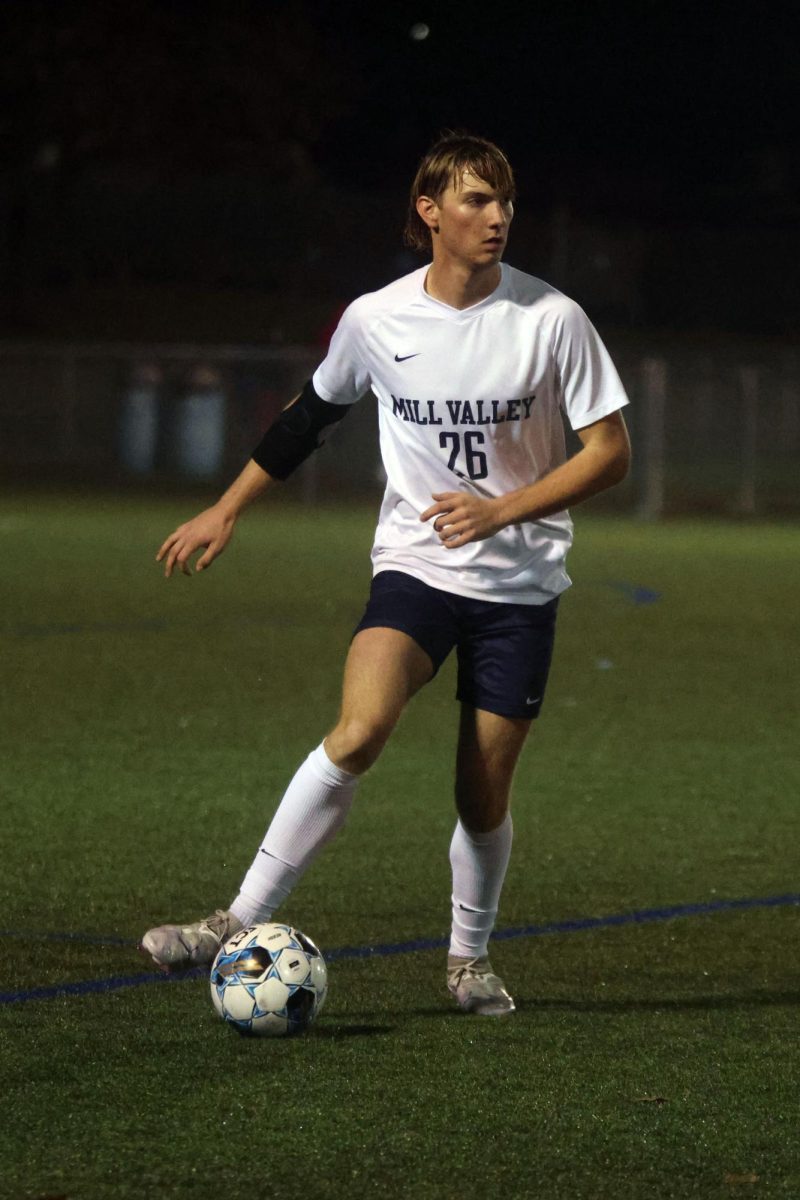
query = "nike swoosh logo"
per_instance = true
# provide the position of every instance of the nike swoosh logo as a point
(535, 701)
(399, 358)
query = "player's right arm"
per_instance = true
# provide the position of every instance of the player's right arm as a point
(212, 529)
(342, 378)
(286, 444)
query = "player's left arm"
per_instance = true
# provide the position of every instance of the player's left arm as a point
(602, 462)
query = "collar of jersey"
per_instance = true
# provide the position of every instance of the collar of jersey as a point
(464, 314)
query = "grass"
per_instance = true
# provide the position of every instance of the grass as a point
(147, 732)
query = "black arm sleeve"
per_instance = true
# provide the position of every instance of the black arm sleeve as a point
(295, 434)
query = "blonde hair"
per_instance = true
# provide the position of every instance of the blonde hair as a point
(453, 153)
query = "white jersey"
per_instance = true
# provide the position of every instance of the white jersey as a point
(471, 400)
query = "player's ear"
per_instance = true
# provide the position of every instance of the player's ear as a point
(428, 210)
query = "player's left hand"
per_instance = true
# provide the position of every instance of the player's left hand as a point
(460, 518)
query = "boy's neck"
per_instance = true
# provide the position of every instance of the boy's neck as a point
(458, 286)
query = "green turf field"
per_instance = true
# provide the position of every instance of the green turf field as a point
(147, 731)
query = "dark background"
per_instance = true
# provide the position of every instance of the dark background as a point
(237, 171)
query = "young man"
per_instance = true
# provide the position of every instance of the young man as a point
(472, 363)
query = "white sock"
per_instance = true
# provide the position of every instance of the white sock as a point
(479, 862)
(313, 809)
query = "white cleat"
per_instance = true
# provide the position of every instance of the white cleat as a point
(476, 988)
(178, 947)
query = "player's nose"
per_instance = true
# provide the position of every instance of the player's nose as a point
(498, 218)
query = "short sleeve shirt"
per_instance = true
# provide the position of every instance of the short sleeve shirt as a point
(472, 400)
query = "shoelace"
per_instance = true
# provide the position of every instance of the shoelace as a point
(217, 925)
(478, 968)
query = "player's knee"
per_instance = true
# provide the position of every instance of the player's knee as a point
(483, 819)
(481, 808)
(355, 744)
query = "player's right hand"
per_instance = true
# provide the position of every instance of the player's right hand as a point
(211, 530)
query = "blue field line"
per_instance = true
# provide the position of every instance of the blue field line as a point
(28, 629)
(641, 916)
(644, 916)
(637, 593)
(91, 939)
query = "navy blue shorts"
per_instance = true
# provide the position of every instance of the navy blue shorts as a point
(504, 650)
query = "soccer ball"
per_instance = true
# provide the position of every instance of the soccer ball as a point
(269, 981)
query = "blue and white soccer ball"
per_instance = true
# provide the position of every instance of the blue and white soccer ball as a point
(269, 980)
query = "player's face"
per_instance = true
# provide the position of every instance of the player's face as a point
(473, 220)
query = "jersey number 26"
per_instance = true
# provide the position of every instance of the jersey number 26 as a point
(475, 460)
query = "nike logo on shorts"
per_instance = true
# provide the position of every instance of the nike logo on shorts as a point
(402, 358)
(534, 701)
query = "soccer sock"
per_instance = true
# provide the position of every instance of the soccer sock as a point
(313, 809)
(479, 862)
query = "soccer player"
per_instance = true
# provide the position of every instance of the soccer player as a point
(472, 363)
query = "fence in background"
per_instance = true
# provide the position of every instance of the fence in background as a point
(715, 425)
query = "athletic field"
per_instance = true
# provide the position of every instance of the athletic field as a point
(648, 930)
